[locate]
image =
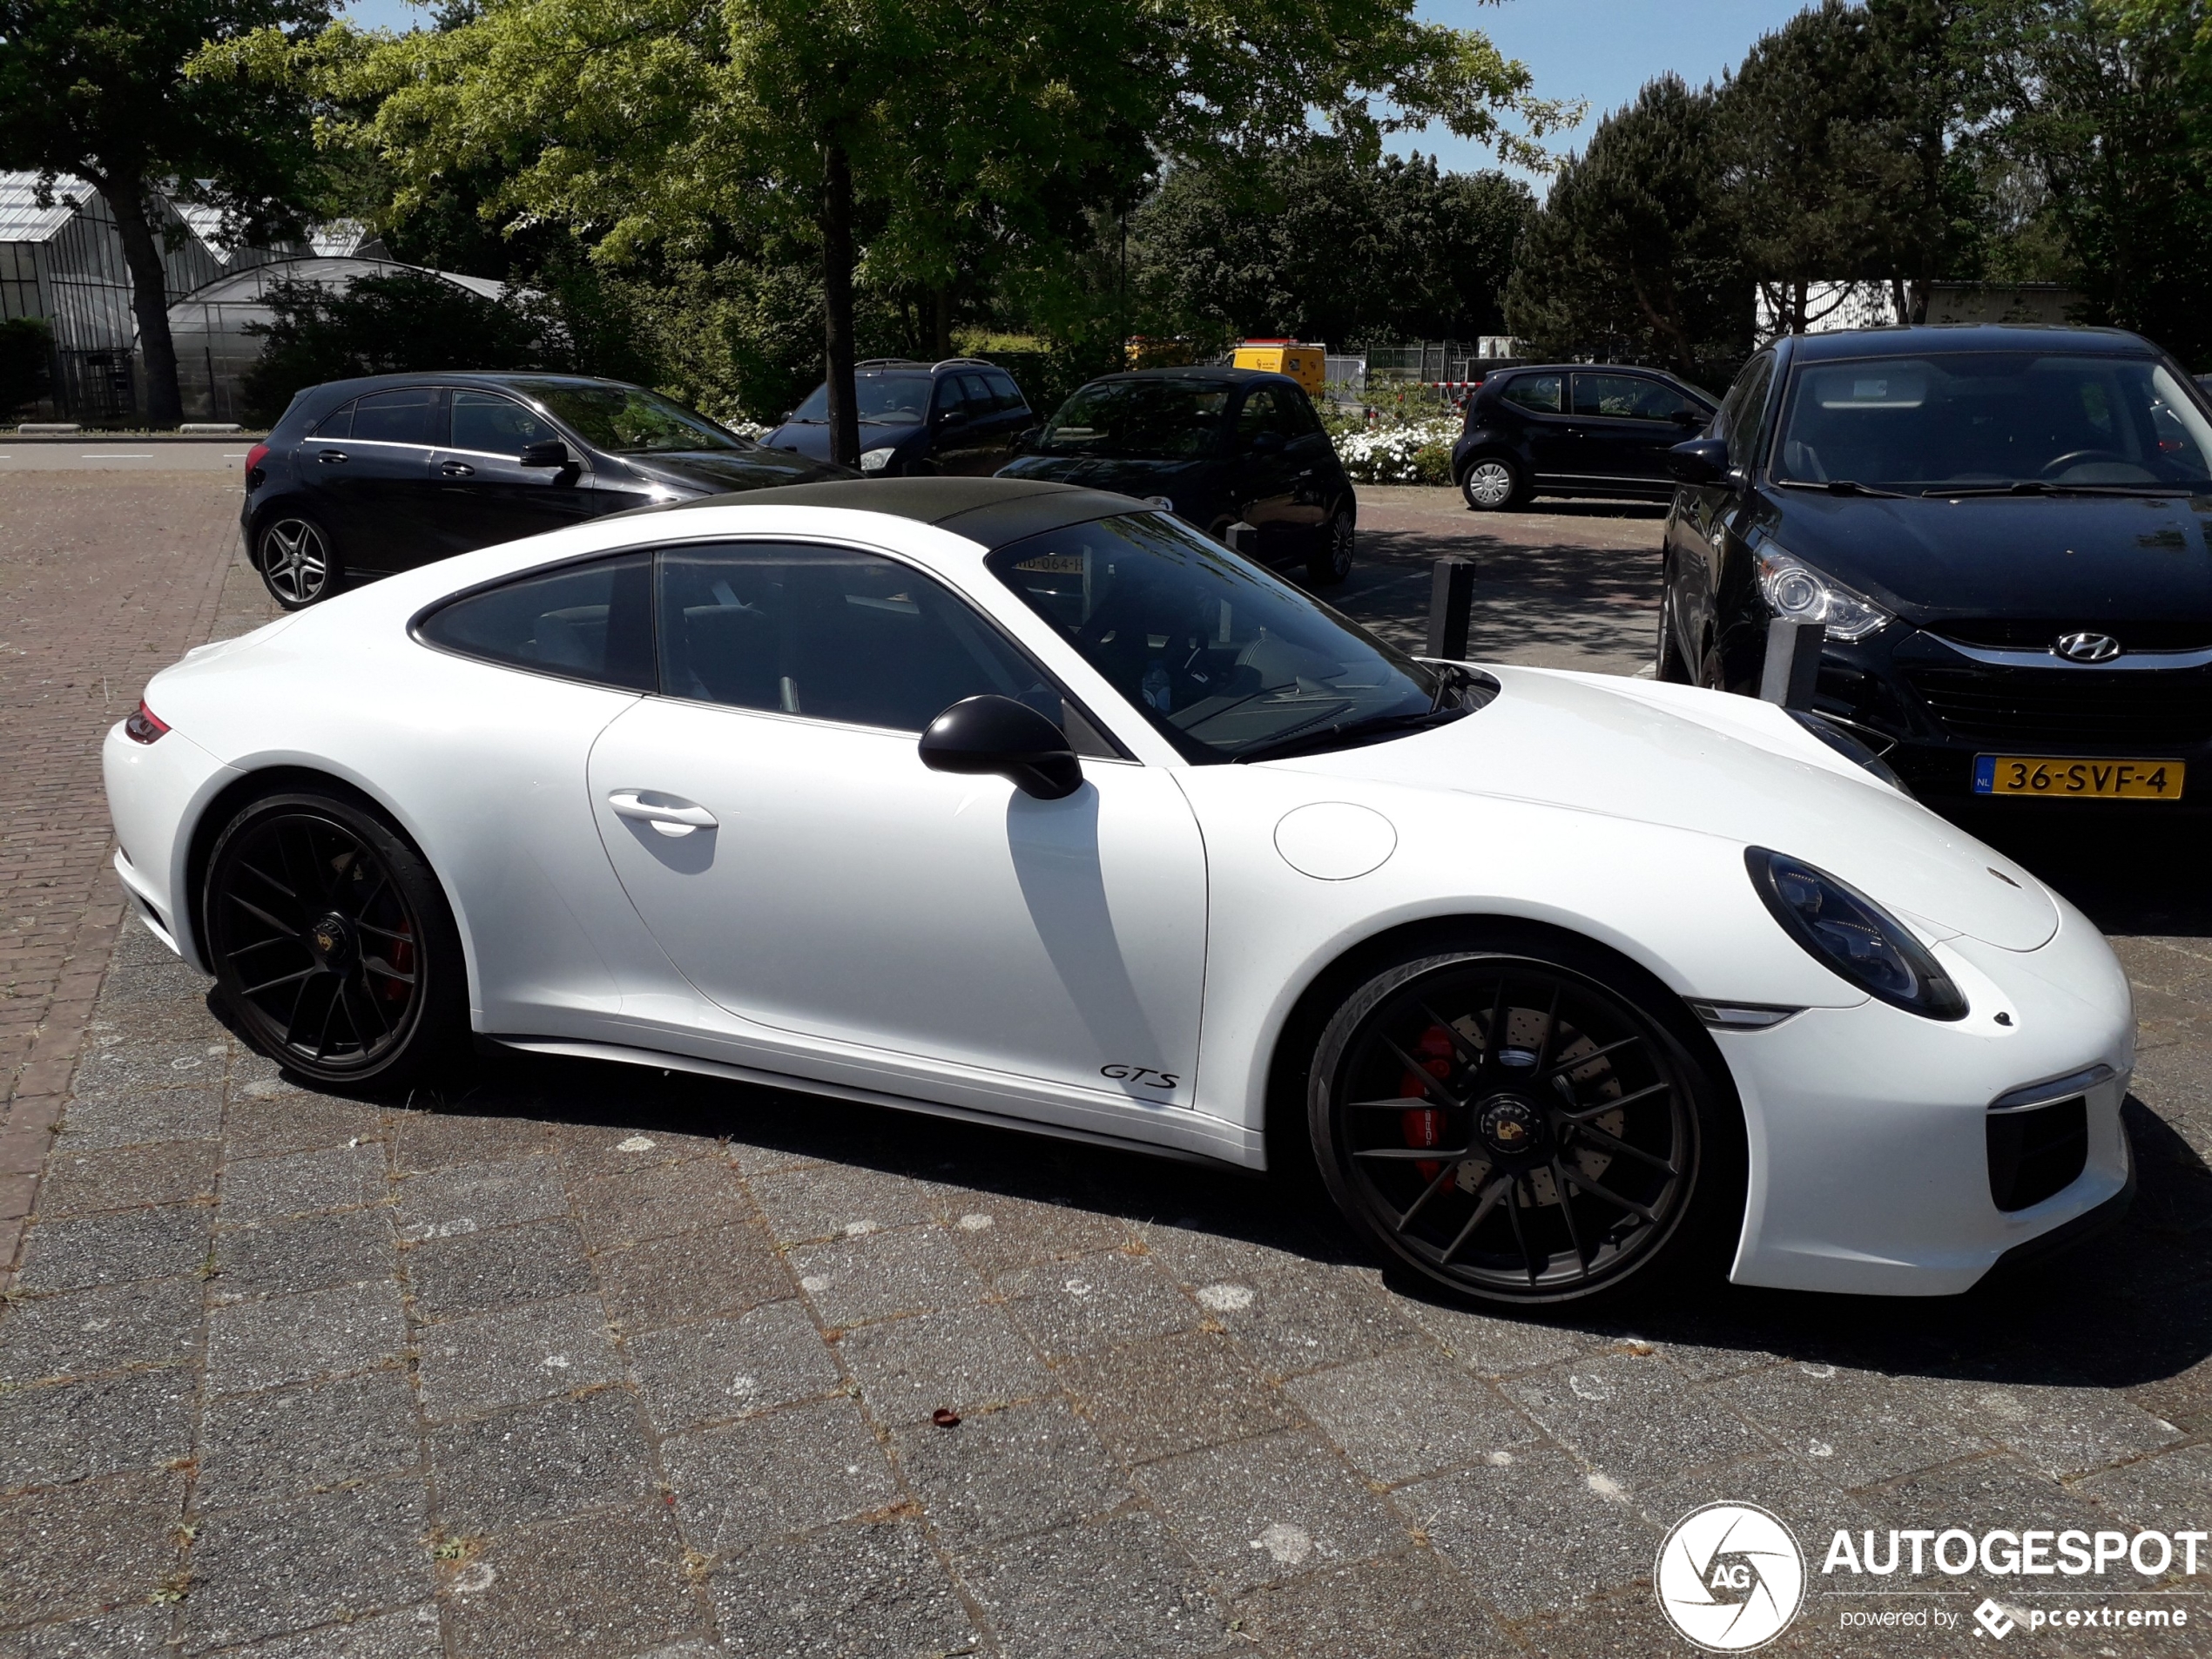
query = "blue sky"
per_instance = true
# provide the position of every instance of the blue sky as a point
(1599, 49)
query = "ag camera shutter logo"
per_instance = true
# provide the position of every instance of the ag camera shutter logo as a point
(1731, 1577)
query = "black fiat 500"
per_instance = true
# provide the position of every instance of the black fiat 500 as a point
(363, 477)
(1221, 447)
(1574, 429)
(2003, 533)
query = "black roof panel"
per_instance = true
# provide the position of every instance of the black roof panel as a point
(992, 511)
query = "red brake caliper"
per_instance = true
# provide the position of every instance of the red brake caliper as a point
(1424, 1125)
(403, 961)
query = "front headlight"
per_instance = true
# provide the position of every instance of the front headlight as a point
(1853, 935)
(1795, 589)
(876, 460)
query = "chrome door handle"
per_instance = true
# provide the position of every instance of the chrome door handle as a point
(329, 456)
(666, 812)
(458, 469)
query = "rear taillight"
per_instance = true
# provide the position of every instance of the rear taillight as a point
(254, 457)
(142, 724)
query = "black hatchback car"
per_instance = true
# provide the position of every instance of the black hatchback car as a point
(1574, 429)
(961, 417)
(368, 476)
(2002, 531)
(1220, 447)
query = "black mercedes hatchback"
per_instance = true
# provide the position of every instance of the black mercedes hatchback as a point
(2003, 533)
(364, 477)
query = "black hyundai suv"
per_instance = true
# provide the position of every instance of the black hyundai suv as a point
(917, 420)
(1574, 429)
(368, 476)
(2002, 531)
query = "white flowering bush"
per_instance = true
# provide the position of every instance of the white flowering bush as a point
(1413, 452)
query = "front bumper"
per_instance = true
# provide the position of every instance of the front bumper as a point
(1870, 1127)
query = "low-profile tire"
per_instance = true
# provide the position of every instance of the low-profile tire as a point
(297, 558)
(332, 943)
(1329, 563)
(1493, 484)
(1669, 664)
(1589, 1149)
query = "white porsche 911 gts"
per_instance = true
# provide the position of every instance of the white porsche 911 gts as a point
(1028, 805)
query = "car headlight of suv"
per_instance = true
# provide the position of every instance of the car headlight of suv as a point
(876, 460)
(1853, 935)
(1795, 589)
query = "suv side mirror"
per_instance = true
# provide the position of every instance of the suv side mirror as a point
(546, 452)
(1700, 460)
(951, 417)
(997, 735)
(1027, 443)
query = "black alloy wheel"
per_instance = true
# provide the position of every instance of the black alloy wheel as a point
(1331, 562)
(332, 942)
(1516, 1128)
(298, 564)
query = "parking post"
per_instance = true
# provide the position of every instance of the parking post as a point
(1450, 601)
(1792, 662)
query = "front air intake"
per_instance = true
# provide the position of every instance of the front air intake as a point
(2036, 1151)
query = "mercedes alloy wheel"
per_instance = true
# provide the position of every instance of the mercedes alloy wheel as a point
(297, 564)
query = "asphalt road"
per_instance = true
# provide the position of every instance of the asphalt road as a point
(134, 455)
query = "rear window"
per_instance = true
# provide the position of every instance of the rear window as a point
(587, 622)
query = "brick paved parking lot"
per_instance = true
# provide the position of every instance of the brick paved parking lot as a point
(579, 1359)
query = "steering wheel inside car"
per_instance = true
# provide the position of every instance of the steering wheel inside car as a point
(2073, 458)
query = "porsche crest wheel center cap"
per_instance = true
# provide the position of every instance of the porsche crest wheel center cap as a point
(1510, 1126)
(330, 939)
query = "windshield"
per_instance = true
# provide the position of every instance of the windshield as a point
(1224, 658)
(1994, 421)
(629, 420)
(1138, 421)
(888, 399)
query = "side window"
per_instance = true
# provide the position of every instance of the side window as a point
(1745, 410)
(1303, 420)
(1629, 397)
(949, 396)
(835, 634)
(587, 622)
(1539, 394)
(409, 415)
(339, 423)
(1007, 395)
(492, 425)
(1262, 412)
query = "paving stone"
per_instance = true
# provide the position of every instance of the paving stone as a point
(688, 1276)
(1874, 1427)
(1174, 1393)
(756, 1152)
(1092, 1302)
(307, 1253)
(412, 1632)
(70, 1431)
(77, 1183)
(476, 1272)
(1490, 1346)
(662, 1199)
(855, 1592)
(1531, 1532)
(879, 1275)
(439, 1140)
(1117, 1589)
(1630, 1416)
(592, 1151)
(829, 1200)
(2061, 1431)
(1022, 1469)
(136, 1116)
(114, 1249)
(599, 1586)
(299, 1184)
(135, 1065)
(2167, 1493)
(297, 1338)
(717, 1369)
(1982, 1493)
(964, 1358)
(470, 1197)
(1801, 1491)
(258, 1448)
(285, 1567)
(105, 1635)
(155, 1322)
(782, 1472)
(514, 1356)
(255, 1127)
(1408, 1413)
(1408, 1606)
(1302, 1321)
(1267, 1508)
(1000, 1234)
(93, 1545)
(543, 1463)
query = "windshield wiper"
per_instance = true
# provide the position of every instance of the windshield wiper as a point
(2038, 487)
(1347, 732)
(1840, 487)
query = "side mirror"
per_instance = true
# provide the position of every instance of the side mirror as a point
(1700, 460)
(546, 452)
(1027, 443)
(997, 735)
(952, 417)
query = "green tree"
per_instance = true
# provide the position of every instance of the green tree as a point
(97, 90)
(1635, 252)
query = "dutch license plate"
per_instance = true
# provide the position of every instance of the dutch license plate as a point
(2059, 777)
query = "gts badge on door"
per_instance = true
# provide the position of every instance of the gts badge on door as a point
(1142, 1076)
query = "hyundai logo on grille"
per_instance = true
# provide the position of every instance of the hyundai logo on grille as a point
(2087, 648)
